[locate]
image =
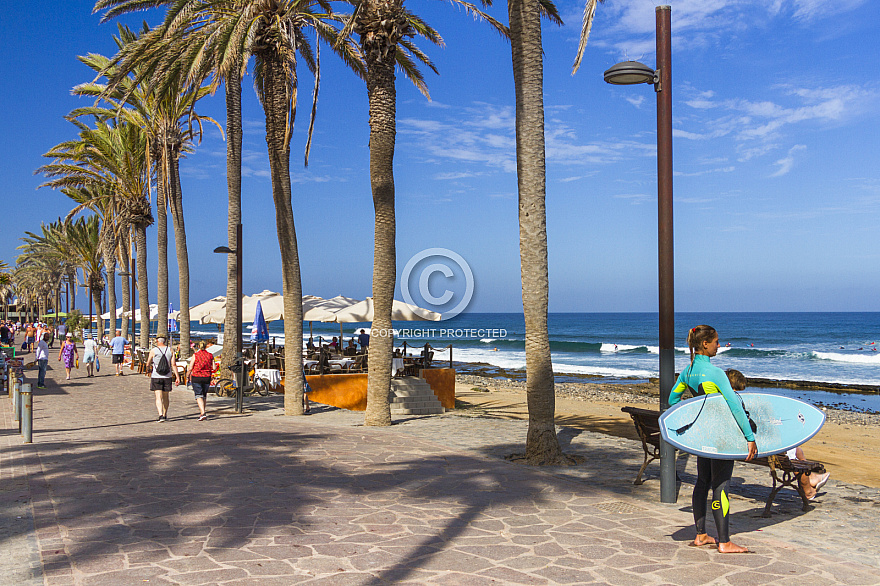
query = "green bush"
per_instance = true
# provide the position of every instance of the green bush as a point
(76, 321)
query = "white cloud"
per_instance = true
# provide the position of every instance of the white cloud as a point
(629, 25)
(785, 164)
(484, 134)
(730, 169)
(636, 101)
(636, 198)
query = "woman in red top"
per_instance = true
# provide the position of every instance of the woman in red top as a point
(200, 368)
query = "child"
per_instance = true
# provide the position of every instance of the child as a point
(809, 484)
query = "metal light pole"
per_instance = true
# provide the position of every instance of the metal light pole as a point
(239, 400)
(632, 72)
(130, 308)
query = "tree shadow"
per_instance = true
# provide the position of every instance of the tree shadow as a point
(155, 493)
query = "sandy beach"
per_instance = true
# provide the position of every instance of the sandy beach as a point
(845, 445)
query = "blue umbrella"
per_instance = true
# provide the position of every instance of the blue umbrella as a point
(172, 323)
(259, 331)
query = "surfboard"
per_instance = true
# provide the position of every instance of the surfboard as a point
(783, 423)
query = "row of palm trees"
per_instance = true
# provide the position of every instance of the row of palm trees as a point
(144, 119)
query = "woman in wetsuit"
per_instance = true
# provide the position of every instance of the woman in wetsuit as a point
(703, 378)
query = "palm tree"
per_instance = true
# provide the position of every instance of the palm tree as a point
(385, 28)
(112, 236)
(220, 35)
(109, 158)
(83, 239)
(542, 445)
(172, 126)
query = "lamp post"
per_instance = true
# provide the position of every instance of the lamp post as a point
(238, 297)
(130, 308)
(632, 72)
(89, 287)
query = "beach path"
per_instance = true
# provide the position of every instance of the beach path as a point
(107, 495)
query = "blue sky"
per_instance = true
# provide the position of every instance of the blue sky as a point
(776, 107)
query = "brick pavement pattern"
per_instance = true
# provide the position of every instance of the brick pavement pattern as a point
(112, 497)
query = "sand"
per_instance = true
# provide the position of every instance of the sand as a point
(846, 444)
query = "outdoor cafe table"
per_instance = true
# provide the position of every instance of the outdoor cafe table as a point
(397, 365)
(272, 376)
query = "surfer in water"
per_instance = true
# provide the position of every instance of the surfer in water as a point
(701, 377)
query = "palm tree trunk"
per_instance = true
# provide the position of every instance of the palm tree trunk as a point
(98, 310)
(162, 196)
(110, 267)
(276, 109)
(231, 331)
(182, 257)
(126, 287)
(140, 243)
(542, 445)
(382, 98)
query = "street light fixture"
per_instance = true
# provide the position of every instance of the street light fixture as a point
(633, 72)
(630, 73)
(238, 297)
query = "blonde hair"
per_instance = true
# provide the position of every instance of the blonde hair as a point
(737, 379)
(698, 335)
(203, 345)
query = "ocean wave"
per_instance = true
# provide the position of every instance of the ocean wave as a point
(873, 358)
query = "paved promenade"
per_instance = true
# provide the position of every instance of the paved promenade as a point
(106, 495)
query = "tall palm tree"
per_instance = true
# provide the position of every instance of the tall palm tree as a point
(385, 28)
(191, 50)
(167, 115)
(83, 237)
(542, 445)
(224, 33)
(109, 158)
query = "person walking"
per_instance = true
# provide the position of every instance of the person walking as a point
(90, 349)
(117, 350)
(30, 333)
(42, 360)
(200, 369)
(703, 378)
(164, 375)
(68, 353)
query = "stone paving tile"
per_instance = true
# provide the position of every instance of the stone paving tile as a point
(260, 499)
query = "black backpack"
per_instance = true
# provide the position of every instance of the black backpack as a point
(163, 367)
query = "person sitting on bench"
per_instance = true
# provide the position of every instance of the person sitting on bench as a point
(810, 483)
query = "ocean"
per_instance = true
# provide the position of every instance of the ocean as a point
(837, 348)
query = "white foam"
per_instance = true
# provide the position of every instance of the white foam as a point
(617, 347)
(872, 358)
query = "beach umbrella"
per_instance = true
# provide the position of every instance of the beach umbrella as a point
(154, 313)
(272, 305)
(172, 318)
(119, 312)
(400, 311)
(196, 313)
(259, 329)
(323, 310)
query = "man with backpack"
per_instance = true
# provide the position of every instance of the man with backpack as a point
(163, 377)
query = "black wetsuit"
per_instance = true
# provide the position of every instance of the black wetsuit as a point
(711, 473)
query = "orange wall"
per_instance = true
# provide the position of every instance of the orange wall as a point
(349, 391)
(346, 391)
(442, 382)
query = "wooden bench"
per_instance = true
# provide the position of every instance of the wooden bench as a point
(783, 471)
